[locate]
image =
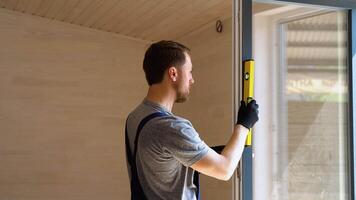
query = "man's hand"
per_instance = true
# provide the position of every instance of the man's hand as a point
(248, 114)
(222, 166)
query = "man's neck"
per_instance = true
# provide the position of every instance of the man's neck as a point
(161, 95)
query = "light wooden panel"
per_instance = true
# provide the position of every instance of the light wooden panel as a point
(77, 10)
(194, 14)
(67, 8)
(65, 87)
(10, 4)
(55, 8)
(89, 11)
(100, 13)
(44, 8)
(32, 6)
(126, 18)
(65, 93)
(22, 5)
(123, 10)
(105, 21)
(149, 20)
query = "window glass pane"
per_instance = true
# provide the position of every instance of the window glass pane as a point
(314, 107)
(301, 140)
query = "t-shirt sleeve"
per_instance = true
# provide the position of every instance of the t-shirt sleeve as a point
(182, 141)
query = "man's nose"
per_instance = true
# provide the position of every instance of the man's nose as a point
(192, 81)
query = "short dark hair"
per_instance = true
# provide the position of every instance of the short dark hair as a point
(161, 55)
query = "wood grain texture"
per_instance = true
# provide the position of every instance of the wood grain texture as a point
(65, 93)
(148, 20)
(67, 90)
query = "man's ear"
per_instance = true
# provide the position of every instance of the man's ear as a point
(172, 73)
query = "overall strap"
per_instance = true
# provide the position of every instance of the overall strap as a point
(136, 188)
(197, 184)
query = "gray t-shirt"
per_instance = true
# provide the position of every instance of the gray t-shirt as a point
(167, 146)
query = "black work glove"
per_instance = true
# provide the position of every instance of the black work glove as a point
(248, 114)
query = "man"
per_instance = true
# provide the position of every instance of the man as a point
(164, 150)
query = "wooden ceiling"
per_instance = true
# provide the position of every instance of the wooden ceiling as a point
(144, 19)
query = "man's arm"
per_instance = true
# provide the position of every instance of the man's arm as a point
(223, 166)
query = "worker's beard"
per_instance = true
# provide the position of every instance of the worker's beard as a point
(181, 95)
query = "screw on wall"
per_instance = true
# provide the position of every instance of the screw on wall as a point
(219, 26)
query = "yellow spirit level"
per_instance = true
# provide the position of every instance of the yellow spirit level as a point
(248, 88)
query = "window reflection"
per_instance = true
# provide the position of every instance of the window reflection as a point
(315, 108)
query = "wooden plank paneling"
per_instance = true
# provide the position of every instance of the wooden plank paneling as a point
(194, 15)
(2, 3)
(100, 13)
(11, 4)
(148, 20)
(134, 16)
(89, 11)
(123, 15)
(22, 5)
(155, 14)
(55, 8)
(32, 7)
(65, 94)
(168, 20)
(112, 15)
(67, 8)
(43, 8)
(60, 84)
(77, 10)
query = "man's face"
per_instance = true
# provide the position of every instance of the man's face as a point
(184, 81)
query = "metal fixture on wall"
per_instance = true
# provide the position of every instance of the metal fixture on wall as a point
(219, 26)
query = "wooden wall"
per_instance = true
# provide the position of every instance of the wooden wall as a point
(65, 91)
